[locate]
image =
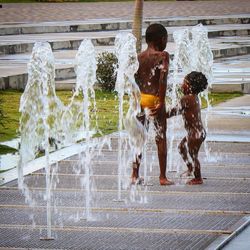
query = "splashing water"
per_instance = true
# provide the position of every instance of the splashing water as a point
(45, 120)
(192, 53)
(41, 111)
(181, 61)
(125, 49)
(204, 64)
(86, 77)
(128, 66)
(182, 56)
(39, 105)
(202, 53)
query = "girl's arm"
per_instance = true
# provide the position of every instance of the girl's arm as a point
(177, 110)
(180, 108)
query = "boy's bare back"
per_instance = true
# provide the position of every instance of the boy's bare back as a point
(152, 70)
(151, 78)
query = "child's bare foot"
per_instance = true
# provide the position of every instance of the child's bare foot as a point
(135, 174)
(186, 173)
(133, 180)
(136, 180)
(195, 181)
(165, 182)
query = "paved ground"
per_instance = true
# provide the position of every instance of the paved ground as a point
(11, 13)
(151, 217)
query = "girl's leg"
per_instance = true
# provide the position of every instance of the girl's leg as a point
(193, 150)
(184, 154)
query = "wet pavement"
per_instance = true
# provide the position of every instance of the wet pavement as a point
(174, 217)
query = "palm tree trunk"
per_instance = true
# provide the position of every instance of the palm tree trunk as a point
(137, 23)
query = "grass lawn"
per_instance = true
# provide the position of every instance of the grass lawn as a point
(6, 150)
(107, 110)
(216, 98)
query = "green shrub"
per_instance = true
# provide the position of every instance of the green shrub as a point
(106, 71)
(6, 150)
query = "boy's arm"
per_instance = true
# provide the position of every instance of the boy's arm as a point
(162, 82)
(163, 77)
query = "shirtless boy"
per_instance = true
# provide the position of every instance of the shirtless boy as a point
(151, 78)
(193, 84)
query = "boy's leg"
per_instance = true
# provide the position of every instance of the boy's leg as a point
(162, 155)
(184, 154)
(137, 163)
(161, 142)
(193, 149)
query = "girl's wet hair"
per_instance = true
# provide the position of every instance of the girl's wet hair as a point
(155, 32)
(197, 81)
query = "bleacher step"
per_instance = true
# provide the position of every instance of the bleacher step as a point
(107, 24)
(23, 43)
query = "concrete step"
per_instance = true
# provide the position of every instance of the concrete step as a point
(13, 68)
(115, 24)
(230, 75)
(23, 43)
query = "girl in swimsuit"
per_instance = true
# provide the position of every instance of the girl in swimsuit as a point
(193, 84)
